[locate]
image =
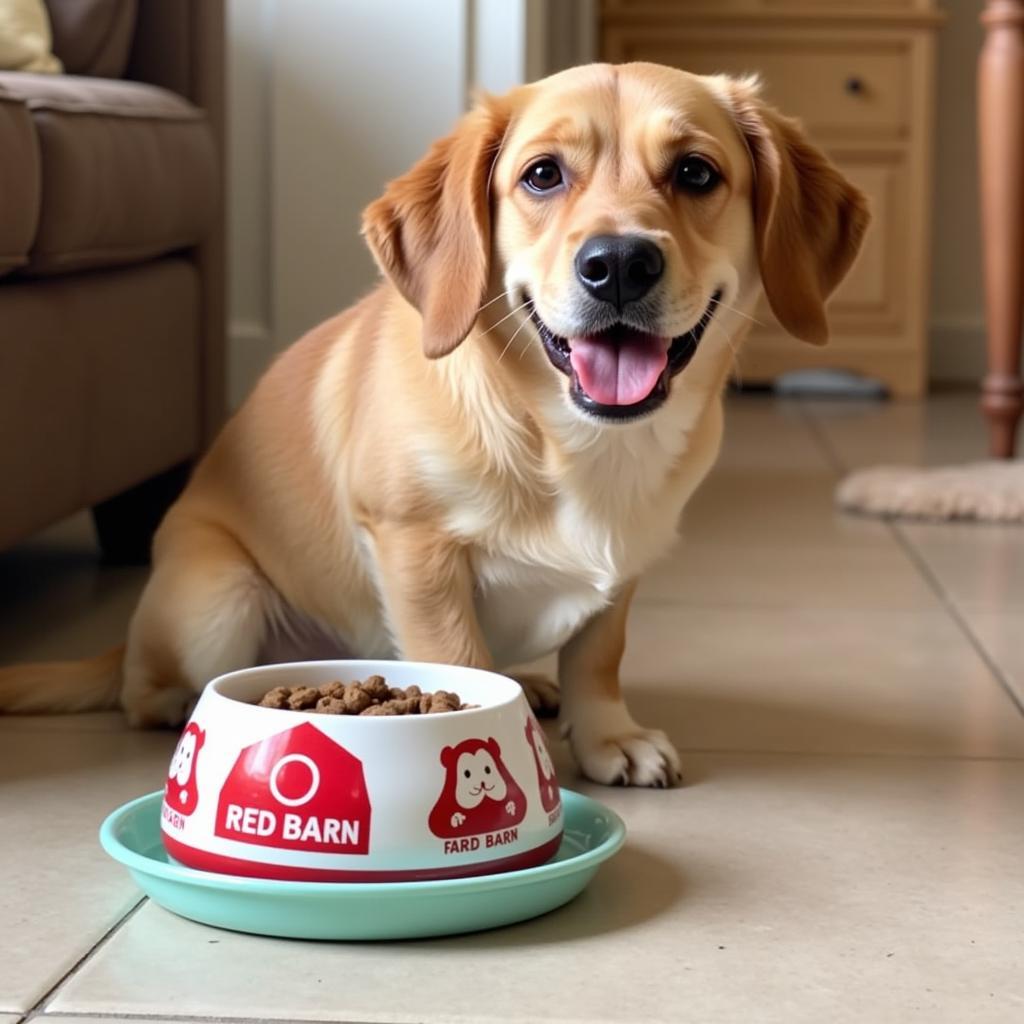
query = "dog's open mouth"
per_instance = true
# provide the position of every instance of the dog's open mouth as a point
(622, 373)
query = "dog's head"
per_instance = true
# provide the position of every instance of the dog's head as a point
(621, 218)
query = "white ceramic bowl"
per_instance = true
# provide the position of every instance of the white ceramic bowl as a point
(292, 795)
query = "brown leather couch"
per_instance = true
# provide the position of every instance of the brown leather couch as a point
(111, 266)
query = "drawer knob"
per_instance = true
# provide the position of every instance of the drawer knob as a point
(854, 85)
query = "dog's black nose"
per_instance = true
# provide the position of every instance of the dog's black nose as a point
(619, 268)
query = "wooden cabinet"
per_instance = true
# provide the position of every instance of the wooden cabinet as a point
(860, 75)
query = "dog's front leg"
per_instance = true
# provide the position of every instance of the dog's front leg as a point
(427, 588)
(609, 746)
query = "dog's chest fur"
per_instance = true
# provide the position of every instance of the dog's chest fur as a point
(544, 566)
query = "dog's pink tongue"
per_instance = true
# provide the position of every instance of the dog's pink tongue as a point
(619, 374)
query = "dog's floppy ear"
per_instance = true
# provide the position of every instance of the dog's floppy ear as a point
(809, 220)
(430, 232)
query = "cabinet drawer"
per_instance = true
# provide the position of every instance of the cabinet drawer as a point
(839, 87)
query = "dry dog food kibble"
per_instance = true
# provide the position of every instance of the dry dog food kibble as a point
(373, 696)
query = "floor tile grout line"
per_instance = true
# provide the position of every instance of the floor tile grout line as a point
(920, 563)
(820, 439)
(956, 614)
(840, 469)
(44, 1000)
(853, 607)
(142, 1018)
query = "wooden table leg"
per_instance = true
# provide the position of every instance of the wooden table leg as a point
(1001, 154)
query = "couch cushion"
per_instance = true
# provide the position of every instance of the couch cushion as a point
(92, 37)
(100, 382)
(20, 184)
(129, 171)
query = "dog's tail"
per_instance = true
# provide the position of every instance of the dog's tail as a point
(55, 687)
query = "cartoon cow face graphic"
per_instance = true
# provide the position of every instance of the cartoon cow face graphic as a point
(549, 795)
(181, 793)
(479, 794)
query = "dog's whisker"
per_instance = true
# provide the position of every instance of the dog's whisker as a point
(733, 351)
(508, 344)
(526, 343)
(525, 348)
(508, 316)
(526, 320)
(733, 347)
(497, 298)
(739, 312)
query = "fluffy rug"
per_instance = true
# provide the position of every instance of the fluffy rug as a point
(989, 492)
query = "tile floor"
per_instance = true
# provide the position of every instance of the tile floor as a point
(849, 847)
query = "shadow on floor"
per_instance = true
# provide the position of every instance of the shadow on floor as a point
(706, 721)
(57, 600)
(632, 888)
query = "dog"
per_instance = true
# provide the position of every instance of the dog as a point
(476, 462)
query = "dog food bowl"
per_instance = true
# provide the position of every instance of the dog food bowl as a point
(364, 911)
(297, 796)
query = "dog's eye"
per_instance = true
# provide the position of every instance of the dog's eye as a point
(543, 176)
(695, 174)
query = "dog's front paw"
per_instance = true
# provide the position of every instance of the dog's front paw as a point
(163, 708)
(634, 757)
(542, 694)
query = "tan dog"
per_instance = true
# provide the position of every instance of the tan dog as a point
(476, 462)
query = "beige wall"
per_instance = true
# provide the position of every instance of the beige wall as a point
(249, 25)
(358, 93)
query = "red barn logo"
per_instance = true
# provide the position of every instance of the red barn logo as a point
(297, 790)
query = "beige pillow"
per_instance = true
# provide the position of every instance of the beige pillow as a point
(25, 43)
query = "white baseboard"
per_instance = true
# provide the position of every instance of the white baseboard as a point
(250, 349)
(957, 350)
